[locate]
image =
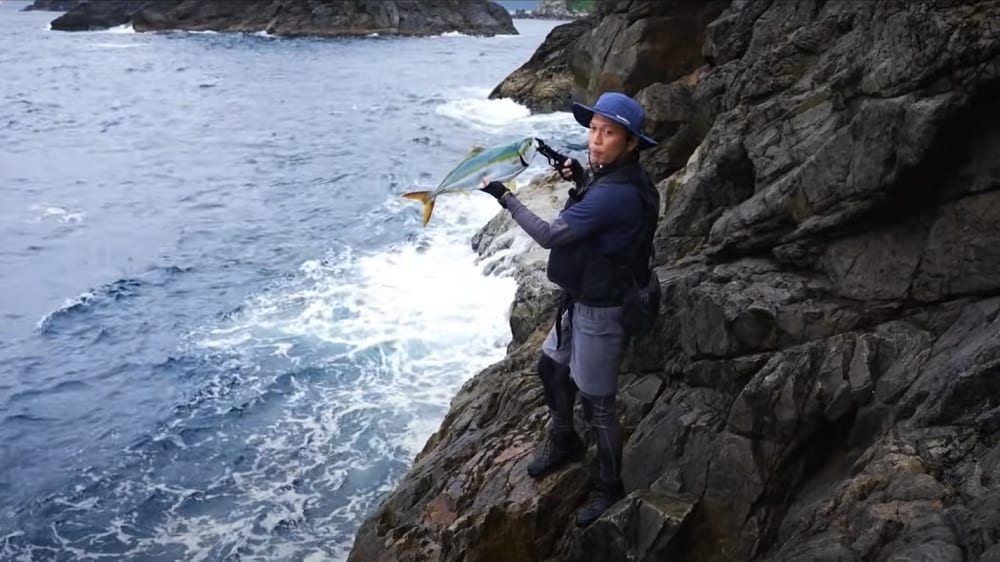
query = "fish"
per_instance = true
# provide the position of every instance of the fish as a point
(499, 163)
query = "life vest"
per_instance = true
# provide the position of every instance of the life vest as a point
(591, 277)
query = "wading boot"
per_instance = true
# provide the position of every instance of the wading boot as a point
(601, 498)
(558, 450)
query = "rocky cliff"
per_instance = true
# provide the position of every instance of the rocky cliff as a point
(825, 379)
(294, 17)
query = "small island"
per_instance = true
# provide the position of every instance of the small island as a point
(287, 18)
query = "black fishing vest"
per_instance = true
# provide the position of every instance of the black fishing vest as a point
(588, 276)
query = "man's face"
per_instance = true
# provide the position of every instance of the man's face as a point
(608, 140)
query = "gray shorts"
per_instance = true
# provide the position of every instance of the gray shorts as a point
(592, 348)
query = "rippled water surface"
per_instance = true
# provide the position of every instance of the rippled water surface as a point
(223, 334)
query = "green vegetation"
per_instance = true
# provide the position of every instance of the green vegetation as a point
(580, 5)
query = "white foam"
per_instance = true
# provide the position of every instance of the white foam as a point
(513, 243)
(119, 29)
(484, 114)
(117, 45)
(506, 116)
(395, 334)
(46, 212)
(85, 299)
(428, 300)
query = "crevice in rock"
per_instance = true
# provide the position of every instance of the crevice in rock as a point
(955, 298)
(695, 539)
(813, 464)
(818, 7)
(736, 169)
(924, 187)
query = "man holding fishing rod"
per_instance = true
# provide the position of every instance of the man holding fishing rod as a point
(600, 242)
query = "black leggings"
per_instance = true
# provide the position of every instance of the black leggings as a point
(560, 396)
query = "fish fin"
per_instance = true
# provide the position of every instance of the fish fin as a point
(475, 150)
(512, 186)
(425, 198)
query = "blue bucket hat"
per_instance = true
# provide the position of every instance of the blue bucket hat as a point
(619, 108)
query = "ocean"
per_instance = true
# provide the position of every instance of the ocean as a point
(224, 335)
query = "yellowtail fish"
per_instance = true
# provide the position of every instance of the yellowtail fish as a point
(499, 163)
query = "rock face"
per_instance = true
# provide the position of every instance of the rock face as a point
(296, 17)
(638, 43)
(824, 381)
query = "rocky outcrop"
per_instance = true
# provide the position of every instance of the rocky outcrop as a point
(52, 5)
(89, 16)
(545, 83)
(824, 380)
(621, 47)
(295, 17)
(551, 9)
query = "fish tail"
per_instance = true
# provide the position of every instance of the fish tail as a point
(425, 198)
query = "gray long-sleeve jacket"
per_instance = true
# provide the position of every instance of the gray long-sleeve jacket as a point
(548, 235)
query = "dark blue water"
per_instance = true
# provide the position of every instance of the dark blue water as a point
(223, 334)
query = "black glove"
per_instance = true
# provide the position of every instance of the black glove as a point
(572, 170)
(497, 190)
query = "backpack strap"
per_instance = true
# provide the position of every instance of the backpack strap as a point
(651, 213)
